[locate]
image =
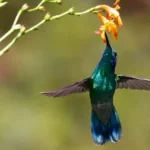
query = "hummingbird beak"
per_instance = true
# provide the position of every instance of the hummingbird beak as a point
(107, 41)
(108, 49)
(105, 61)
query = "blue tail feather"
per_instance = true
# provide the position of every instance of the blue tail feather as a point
(102, 133)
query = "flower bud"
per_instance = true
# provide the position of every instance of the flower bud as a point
(47, 17)
(25, 7)
(42, 8)
(71, 10)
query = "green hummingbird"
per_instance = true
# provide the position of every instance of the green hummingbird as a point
(101, 85)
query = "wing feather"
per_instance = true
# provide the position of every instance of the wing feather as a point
(130, 82)
(78, 87)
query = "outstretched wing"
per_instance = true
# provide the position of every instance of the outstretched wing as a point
(129, 82)
(78, 87)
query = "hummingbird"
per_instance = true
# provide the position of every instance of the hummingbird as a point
(101, 85)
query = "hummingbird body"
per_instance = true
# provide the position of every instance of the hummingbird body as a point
(103, 89)
(105, 124)
(104, 78)
(102, 97)
(101, 85)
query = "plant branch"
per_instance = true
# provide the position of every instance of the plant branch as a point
(47, 17)
(2, 3)
(14, 25)
(5, 49)
(41, 7)
(37, 7)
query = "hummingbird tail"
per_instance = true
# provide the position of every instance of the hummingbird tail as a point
(102, 133)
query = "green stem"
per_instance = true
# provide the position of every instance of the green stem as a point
(84, 12)
(62, 14)
(46, 18)
(37, 7)
(35, 26)
(2, 4)
(6, 34)
(5, 49)
(42, 2)
(55, 1)
(17, 17)
(12, 29)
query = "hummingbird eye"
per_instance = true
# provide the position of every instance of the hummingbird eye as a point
(114, 59)
(114, 54)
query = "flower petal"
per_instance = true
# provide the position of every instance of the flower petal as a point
(103, 36)
(102, 28)
(117, 7)
(115, 31)
(111, 11)
(109, 27)
(119, 21)
(98, 32)
(102, 18)
(116, 2)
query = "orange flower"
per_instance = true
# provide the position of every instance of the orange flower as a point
(111, 28)
(108, 25)
(109, 21)
(113, 13)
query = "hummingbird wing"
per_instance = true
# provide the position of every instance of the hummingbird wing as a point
(78, 87)
(130, 82)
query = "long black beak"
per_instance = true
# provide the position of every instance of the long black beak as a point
(107, 40)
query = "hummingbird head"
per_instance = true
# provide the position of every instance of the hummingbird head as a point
(109, 57)
(108, 61)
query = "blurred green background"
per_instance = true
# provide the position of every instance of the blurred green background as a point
(60, 53)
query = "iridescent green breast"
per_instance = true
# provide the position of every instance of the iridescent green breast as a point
(101, 96)
(103, 89)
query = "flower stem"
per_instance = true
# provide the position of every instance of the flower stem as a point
(47, 17)
(35, 26)
(17, 17)
(37, 7)
(5, 49)
(13, 28)
(6, 34)
(2, 4)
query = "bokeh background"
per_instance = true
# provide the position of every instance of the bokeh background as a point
(62, 52)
